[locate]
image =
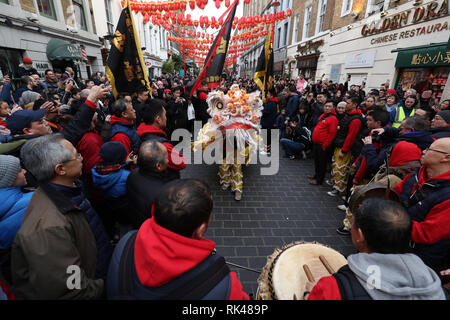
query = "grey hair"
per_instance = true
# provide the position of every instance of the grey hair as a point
(41, 155)
(85, 93)
(151, 152)
(413, 91)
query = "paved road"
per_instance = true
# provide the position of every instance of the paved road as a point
(274, 210)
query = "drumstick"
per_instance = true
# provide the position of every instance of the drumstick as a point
(326, 264)
(308, 273)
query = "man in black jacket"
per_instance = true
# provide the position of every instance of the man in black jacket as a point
(297, 139)
(144, 183)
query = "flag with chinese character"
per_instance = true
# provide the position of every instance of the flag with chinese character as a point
(215, 60)
(125, 67)
(264, 68)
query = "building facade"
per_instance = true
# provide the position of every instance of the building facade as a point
(401, 42)
(153, 39)
(54, 34)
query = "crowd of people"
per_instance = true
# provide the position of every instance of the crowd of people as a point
(92, 181)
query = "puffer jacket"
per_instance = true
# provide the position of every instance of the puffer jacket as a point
(112, 185)
(12, 210)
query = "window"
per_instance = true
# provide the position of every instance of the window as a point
(4, 1)
(285, 33)
(46, 8)
(375, 5)
(307, 22)
(321, 16)
(295, 28)
(109, 17)
(78, 11)
(347, 6)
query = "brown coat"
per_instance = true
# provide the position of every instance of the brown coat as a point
(54, 235)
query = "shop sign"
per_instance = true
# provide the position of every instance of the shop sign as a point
(419, 14)
(360, 59)
(309, 63)
(426, 57)
(41, 67)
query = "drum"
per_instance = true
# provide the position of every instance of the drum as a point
(370, 190)
(288, 269)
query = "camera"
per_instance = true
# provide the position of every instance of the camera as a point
(376, 137)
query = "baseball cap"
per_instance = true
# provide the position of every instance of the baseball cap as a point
(391, 91)
(374, 92)
(22, 119)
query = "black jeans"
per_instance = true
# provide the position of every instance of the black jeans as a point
(321, 159)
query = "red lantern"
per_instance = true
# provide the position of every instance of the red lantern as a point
(189, 32)
(227, 3)
(169, 27)
(195, 22)
(183, 5)
(205, 2)
(247, 1)
(289, 12)
(175, 29)
(192, 4)
(182, 30)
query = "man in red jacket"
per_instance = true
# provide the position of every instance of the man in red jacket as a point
(152, 128)
(345, 143)
(323, 136)
(426, 195)
(123, 129)
(168, 257)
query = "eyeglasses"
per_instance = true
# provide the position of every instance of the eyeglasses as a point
(128, 101)
(429, 149)
(79, 157)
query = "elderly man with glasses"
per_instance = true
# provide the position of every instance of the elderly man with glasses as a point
(425, 194)
(61, 250)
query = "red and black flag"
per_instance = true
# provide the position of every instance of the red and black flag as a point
(215, 60)
(125, 68)
(264, 68)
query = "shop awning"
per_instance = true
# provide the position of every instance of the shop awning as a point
(58, 49)
(432, 55)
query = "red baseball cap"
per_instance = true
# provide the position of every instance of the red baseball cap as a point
(391, 91)
(27, 60)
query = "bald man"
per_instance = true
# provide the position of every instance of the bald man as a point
(425, 194)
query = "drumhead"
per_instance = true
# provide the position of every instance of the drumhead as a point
(284, 275)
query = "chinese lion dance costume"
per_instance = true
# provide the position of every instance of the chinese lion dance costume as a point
(235, 119)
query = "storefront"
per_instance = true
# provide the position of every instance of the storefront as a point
(307, 65)
(379, 49)
(308, 55)
(423, 68)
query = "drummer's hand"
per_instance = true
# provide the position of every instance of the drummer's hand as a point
(310, 285)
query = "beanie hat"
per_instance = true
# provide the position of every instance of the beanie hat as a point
(445, 114)
(9, 168)
(404, 152)
(113, 152)
(391, 91)
(27, 60)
